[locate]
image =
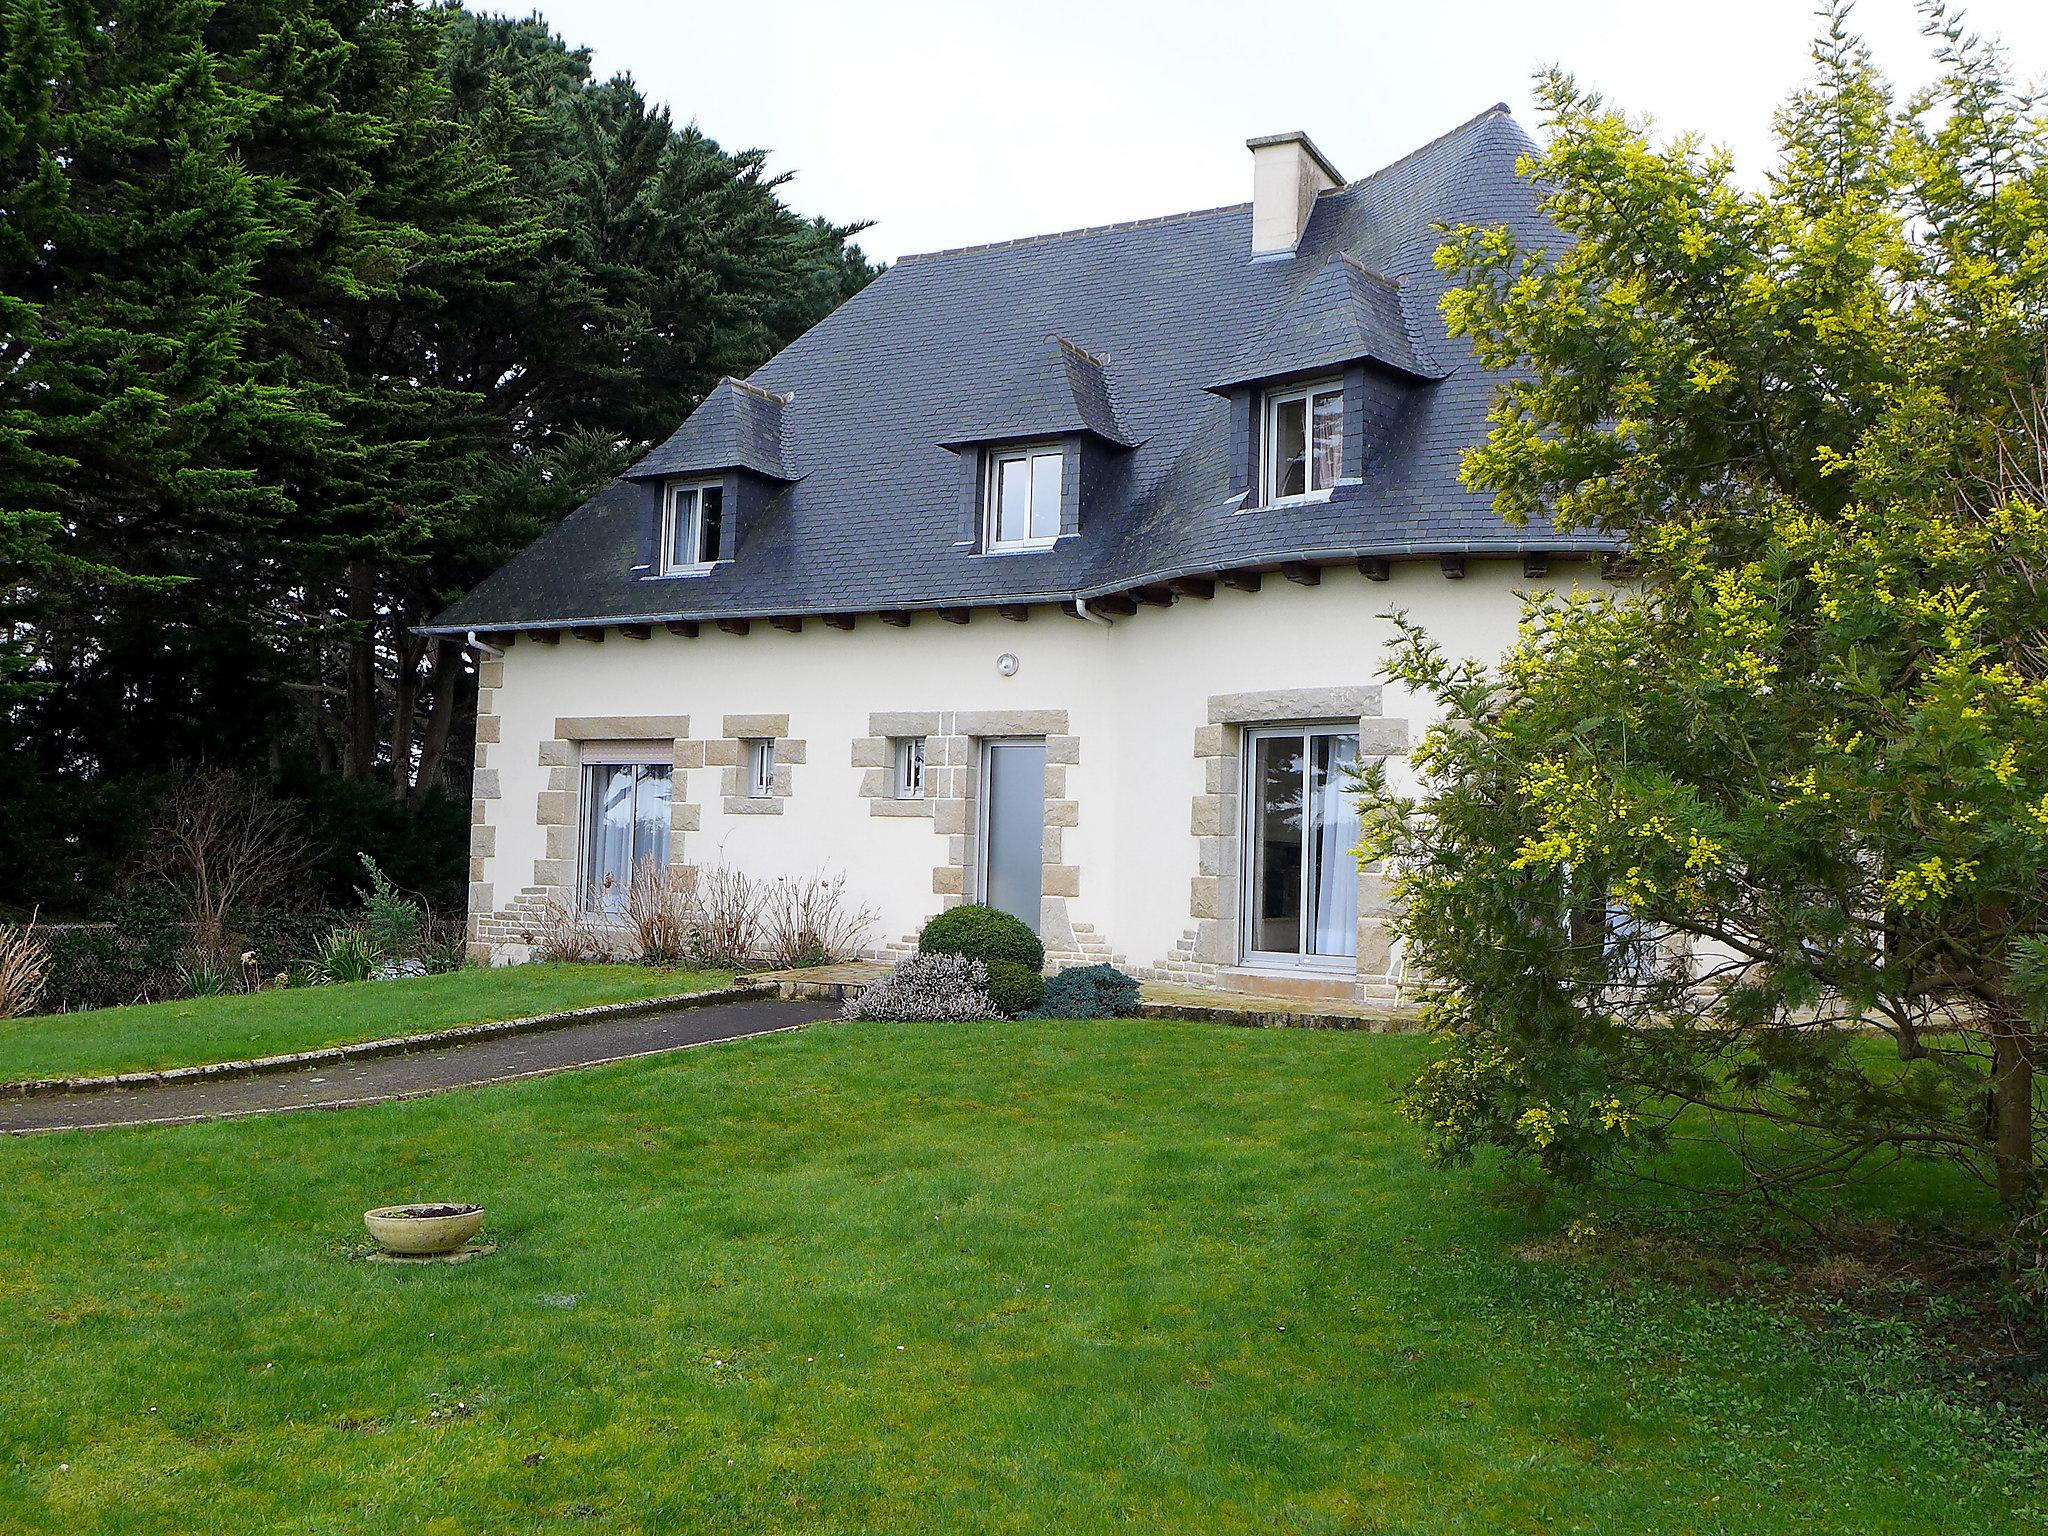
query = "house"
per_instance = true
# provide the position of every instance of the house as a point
(1052, 573)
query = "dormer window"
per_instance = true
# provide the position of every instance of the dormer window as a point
(1023, 497)
(691, 520)
(1304, 441)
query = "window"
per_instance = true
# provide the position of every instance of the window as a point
(760, 767)
(691, 519)
(1300, 825)
(910, 768)
(625, 828)
(1024, 498)
(1304, 441)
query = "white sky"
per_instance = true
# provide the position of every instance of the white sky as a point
(953, 124)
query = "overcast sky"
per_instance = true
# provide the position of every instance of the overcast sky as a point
(953, 124)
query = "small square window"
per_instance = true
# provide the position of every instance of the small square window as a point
(1023, 510)
(760, 767)
(1304, 441)
(910, 768)
(692, 520)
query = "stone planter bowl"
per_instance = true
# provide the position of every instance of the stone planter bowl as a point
(423, 1228)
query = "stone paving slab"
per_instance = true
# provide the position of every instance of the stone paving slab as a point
(826, 982)
(1159, 1000)
(504, 1058)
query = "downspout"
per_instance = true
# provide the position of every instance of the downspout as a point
(477, 643)
(1081, 607)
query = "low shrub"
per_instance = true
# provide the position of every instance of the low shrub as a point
(727, 934)
(1015, 989)
(658, 912)
(445, 949)
(394, 922)
(280, 941)
(810, 920)
(565, 939)
(1088, 992)
(24, 965)
(984, 934)
(346, 954)
(129, 955)
(928, 989)
(202, 977)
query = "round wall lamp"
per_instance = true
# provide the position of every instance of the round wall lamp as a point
(1007, 664)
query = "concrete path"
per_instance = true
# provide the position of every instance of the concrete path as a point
(412, 1075)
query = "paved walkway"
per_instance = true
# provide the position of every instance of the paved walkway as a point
(412, 1075)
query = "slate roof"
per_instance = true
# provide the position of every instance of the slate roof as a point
(1124, 331)
(1345, 312)
(1054, 389)
(738, 426)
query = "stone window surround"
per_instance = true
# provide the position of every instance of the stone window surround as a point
(952, 769)
(1217, 820)
(558, 814)
(729, 753)
(558, 808)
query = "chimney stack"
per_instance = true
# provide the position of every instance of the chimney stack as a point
(1287, 173)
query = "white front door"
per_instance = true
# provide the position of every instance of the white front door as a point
(1301, 823)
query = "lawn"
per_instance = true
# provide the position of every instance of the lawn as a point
(1009, 1277)
(190, 1031)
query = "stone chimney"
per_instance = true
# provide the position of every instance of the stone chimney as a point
(1287, 173)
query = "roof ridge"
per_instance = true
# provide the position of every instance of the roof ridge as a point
(1068, 234)
(755, 389)
(1364, 271)
(1078, 350)
(1498, 109)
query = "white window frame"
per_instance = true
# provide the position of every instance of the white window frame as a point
(1249, 954)
(910, 767)
(760, 767)
(672, 507)
(992, 493)
(1269, 456)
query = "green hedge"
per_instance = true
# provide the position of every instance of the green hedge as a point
(1014, 989)
(130, 953)
(984, 934)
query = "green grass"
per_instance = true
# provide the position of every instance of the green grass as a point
(191, 1031)
(1013, 1277)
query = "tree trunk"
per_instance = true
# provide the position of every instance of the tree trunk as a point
(359, 760)
(405, 683)
(444, 697)
(2012, 1110)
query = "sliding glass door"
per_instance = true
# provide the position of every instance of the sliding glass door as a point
(1301, 823)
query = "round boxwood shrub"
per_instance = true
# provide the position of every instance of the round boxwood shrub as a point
(1014, 988)
(984, 934)
(1088, 992)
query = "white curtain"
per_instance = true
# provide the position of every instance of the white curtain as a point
(626, 820)
(1335, 811)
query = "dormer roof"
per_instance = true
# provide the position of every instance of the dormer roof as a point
(1345, 313)
(737, 426)
(1056, 388)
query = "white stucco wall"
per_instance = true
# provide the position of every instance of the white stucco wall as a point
(1135, 695)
